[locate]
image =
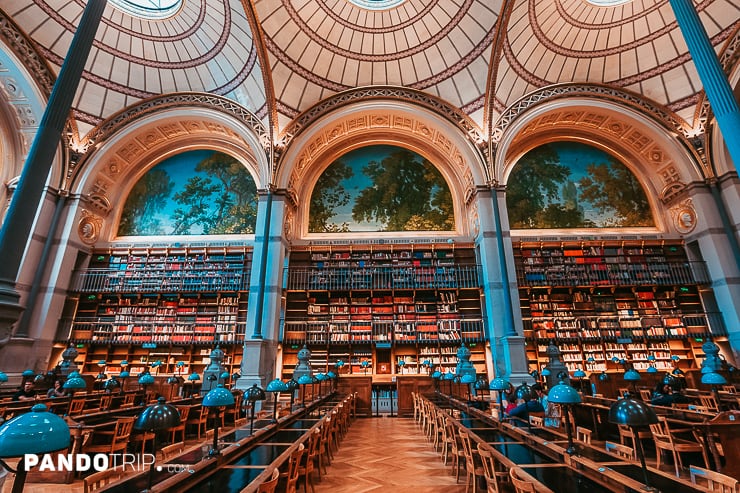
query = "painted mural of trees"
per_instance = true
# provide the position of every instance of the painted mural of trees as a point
(329, 195)
(218, 197)
(406, 195)
(543, 192)
(148, 196)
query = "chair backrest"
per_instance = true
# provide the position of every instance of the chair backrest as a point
(619, 449)
(76, 406)
(467, 449)
(124, 427)
(709, 402)
(536, 420)
(489, 468)
(270, 485)
(172, 450)
(729, 388)
(714, 481)
(521, 485)
(583, 434)
(105, 402)
(294, 465)
(646, 395)
(98, 480)
(184, 412)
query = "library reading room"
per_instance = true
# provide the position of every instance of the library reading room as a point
(355, 246)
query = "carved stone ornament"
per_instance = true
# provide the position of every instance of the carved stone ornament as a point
(684, 217)
(89, 227)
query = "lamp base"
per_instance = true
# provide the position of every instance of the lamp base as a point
(570, 450)
(649, 488)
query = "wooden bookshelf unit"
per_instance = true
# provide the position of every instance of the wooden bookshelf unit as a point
(166, 305)
(604, 300)
(357, 303)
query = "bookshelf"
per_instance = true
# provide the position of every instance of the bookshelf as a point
(418, 302)
(602, 300)
(163, 306)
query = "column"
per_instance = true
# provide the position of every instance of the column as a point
(19, 220)
(265, 290)
(501, 293)
(712, 77)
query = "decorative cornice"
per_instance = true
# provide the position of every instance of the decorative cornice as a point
(558, 91)
(27, 52)
(458, 118)
(178, 100)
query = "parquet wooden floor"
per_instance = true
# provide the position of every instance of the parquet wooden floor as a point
(387, 454)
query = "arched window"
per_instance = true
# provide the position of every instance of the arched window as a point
(381, 188)
(193, 193)
(574, 185)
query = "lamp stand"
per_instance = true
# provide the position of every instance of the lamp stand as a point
(641, 456)
(150, 476)
(20, 475)
(214, 448)
(251, 419)
(571, 449)
(501, 406)
(274, 408)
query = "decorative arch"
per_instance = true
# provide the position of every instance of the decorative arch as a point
(121, 155)
(656, 155)
(373, 121)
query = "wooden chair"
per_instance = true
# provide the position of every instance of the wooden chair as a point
(473, 467)
(270, 485)
(665, 441)
(129, 400)
(646, 395)
(521, 485)
(492, 475)
(713, 481)
(583, 435)
(199, 420)
(112, 441)
(76, 406)
(99, 480)
(623, 451)
(626, 433)
(456, 449)
(729, 389)
(325, 443)
(709, 402)
(180, 428)
(538, 421)
(172, 450)
(307, 466)
(105, 402)
(294, 464)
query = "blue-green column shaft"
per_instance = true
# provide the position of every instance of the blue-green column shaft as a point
(717, 87)
(19, 220)
(509, 310)
(257, 334)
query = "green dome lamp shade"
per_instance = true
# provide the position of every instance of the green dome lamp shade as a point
(224, 376)
(635, 414)
(28, 374)
(579, 375)
(603, 376)
(111, 384)
(236, 376)
(124, 363)
(523, 392)
(500, 384)
(481, 383)
(321, 377)
(35, 432)
(153, 419)
(651, 369)
(193, 377)
(3, 377)
(124, 374)
(631, 376)
(365, 363)
(714, 380)
(74, 384)
(566, 396)
(217, 398)
(276, 386)
(304, 380)
(254, 394)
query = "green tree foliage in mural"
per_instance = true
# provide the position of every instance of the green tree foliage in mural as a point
(613, 188)
(236, 200)
(219, 197)
(146, 197)
(405, 195)
(327, 196)
(535, 181)
(542, 193)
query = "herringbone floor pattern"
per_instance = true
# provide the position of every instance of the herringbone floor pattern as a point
(387, 455)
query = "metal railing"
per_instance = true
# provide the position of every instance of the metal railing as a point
(349, 278)
(143, 281)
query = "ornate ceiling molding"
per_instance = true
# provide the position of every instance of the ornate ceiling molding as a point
(27, 53)
(154, 105)
(458, 118)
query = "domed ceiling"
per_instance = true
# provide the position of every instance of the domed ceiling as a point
(280, 57)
